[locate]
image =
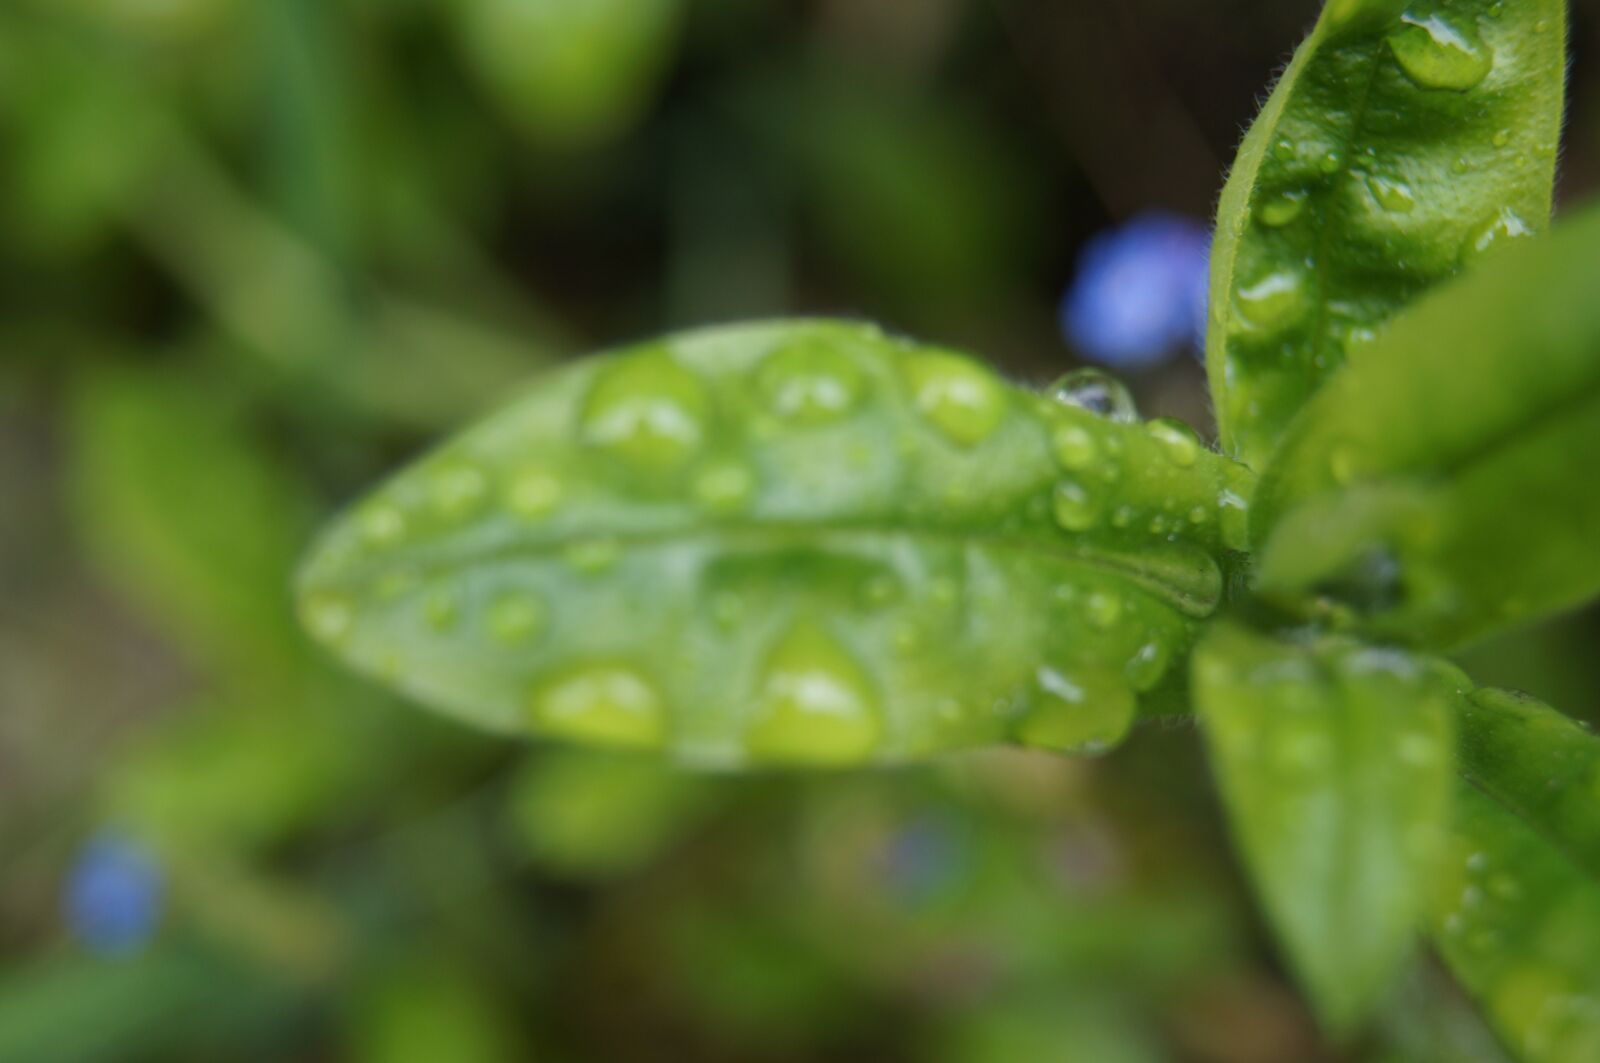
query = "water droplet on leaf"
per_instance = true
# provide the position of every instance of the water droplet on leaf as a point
(809, 382)
(1083, 712)
(1100, 393)
(1075, 508)
(815, 703)
(604, 704)
(1440, 53)
(647, 410)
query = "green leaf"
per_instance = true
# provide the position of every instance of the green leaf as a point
(1538, 764)
(1334, 761)
(186, 511)
(1430, 486)
(790, 542)
(1519, 925)
(1401, 141)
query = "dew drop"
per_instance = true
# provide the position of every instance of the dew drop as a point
(328, 616)
(1234, 519)
(382, 525)
(1076, 509)
(1098, 392)
(724, 486)
(1284, 149)
(1393, 196)
(1331, 161)
(1074, 447)
(514, 618)
(1103, 609)
(1437, 53)
(602, 704)
(1504, 228)
(1084, 712)
(1281, 209)
(815, 703)
(534, 494)
(647, 410)
(1178, 441)
(457, 490)
(1274, 302)
(810, 382)
(441, 609)
(591, 557)
(956, 395)
(1148, 665)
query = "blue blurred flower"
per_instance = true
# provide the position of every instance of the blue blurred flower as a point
(113, 894)
(1140, 291)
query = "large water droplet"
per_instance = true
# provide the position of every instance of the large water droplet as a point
(514, 618)
(533, 494)
(1074, 447)
(1274, 302)
(603, 704)
(1082, 711)
(809, 382)
(1076, 508)
(1178, 441)
(1393, 196)
(1440, 53)
(1100, 393)
(647, 410)
(816, 704)
(957, 396)
(1281, 209)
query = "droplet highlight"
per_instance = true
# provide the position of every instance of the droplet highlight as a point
(1097, 392)
(815, 702)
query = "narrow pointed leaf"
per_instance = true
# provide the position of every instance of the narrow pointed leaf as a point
(1519, 926)
(1334, 761)
(1402, 141)
(796, 542)
(1431, 485)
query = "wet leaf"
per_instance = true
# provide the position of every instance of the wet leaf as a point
(1334, 761)
(792, 542)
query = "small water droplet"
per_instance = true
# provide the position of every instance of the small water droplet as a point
(1148, 666)
(382, 525)
(513, 618)
(1331, 161)
(1393, 196)
(815, 703)
(1123, 517)
(1083, 712)
(1198, 515)
(603, 704)
(1502, 138)
(591, 557)
(1178, 441)
(328, 616)
(1074, 447)
(1104, 609)
(1504, 228)
(1274, 302)
(647, 410)
(441, 608)
(724, 486)
(1076, 509)
(457, 490)
(957, 396)
(1281, 209)
(810, 382)
(533, 494)
(1284, 149)
(1234, 515)
(1098, 392)
(1440, 53)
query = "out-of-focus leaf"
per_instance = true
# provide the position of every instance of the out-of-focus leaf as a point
(186, 510)
(1539, 765)
(1519, 925)
(1334, 761)
(1430, 485)
(571, 74)
(168, 1001)
(423, 1009)
(1400, 141)
(596, 815)
(791, 542)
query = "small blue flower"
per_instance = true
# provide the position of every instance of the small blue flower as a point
(113, 894)
(1140, 292)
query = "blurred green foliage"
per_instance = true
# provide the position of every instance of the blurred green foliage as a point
(258, 251)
